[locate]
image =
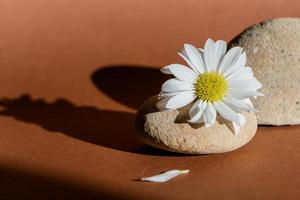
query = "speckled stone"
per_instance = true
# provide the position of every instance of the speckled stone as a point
(168, 130)
(273, 51)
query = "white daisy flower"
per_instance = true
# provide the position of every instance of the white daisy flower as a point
(215, 82)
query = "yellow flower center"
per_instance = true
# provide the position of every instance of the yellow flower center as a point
(211, 87)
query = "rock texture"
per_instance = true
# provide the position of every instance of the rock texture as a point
(168, 130)
(273, 51)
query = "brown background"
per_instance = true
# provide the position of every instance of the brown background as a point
(72, 74)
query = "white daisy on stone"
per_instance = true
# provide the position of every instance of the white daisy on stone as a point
(215, 82)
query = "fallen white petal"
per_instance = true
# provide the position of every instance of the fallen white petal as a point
(165, 176)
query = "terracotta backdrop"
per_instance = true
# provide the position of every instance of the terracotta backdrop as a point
(73, 73)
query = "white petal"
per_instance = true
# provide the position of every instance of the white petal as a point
(209, 55)
(242, 74)
(181, 72)
(213, 52)
(242, 119)
(175, 85)
(240, 62)
(165, 176)
(195, 108)
(243, 94)
(226, 112)
(244, 85)
(219, 52)
(210, 115)
(166, 69)
(236, 127)
(180, 100)
(161, 104)
(196, 112)
(197, 119)
(195, 58)
(163, 98)
(163, 94)
(248, 101)
(248, 85)
(182, 53)
(238, 105)
(230, 58)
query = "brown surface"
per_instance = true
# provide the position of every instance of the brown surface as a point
(72, 75)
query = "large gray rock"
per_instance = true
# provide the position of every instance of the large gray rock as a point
(168, 130)
(273, 51)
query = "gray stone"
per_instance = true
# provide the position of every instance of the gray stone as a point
(168, 130)
(273, 51)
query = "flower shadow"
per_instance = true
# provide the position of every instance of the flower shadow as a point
(129, 85)
(85, 123)
(132, 85)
